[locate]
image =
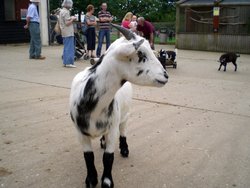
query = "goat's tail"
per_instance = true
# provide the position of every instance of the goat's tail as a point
(176, 50)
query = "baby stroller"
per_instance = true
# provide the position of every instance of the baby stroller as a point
(80, 41)
(168, 58)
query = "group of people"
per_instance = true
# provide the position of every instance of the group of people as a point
(67, 31)
(130, 21)
(140, 26)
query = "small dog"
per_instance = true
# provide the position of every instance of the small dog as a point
(227, 58)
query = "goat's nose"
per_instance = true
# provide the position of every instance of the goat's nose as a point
(165, 74)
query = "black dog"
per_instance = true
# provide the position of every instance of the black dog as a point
(227, 58)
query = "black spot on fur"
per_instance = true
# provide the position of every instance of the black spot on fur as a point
(101, 124)
(111, 108)
(142, 57)
(87, 105)
(140, 72)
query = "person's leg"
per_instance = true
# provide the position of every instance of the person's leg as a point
(93, 41)
(100, 40)
(68, 50)
(72, 52)
(37, 40)
(65, 49)
(88, 37)
(32, 46)
(107, 39)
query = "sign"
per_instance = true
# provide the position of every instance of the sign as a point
(216, 11)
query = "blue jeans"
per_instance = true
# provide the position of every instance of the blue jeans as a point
(103, 33)
(68, 50)
(35, 40)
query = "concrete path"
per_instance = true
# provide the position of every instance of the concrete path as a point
(193, 133)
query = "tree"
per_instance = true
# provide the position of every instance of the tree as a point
(153, 10)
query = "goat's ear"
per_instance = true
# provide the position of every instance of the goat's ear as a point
(128, 49)
(138, 44)
(125, 50)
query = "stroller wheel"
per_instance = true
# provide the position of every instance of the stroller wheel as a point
(92, 61)
(86, 57)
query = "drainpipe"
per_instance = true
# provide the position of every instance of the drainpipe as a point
(48, 19)
(43, 9)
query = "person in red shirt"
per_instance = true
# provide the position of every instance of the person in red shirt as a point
(126, 20)
(146, 30)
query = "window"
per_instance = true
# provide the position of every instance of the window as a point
(9, 7)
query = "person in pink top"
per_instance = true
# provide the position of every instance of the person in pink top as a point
(126, 20)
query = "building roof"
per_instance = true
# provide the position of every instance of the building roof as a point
(191, 3)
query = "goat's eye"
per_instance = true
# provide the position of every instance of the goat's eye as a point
(142, 57)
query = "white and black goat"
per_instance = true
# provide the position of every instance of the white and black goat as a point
(100, 98)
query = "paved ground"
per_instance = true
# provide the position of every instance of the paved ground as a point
(193, 133)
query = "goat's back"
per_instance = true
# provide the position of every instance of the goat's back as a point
(229, 57)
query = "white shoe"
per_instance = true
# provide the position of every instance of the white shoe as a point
(70, 66)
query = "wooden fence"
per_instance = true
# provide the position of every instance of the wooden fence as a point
(214, 42)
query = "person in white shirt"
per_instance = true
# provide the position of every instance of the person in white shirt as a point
(33, 24)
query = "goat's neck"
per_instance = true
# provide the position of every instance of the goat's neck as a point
(108, 83)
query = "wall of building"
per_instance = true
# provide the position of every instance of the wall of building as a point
(214, 42)
(11, 21)
(194, 29)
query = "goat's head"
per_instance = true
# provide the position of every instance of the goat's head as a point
(137, 61)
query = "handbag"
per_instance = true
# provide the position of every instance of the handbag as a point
(57, 28)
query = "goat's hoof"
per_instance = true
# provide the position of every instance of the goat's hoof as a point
(91, 182)
(124, 152)
(124, 146)
(107, 183)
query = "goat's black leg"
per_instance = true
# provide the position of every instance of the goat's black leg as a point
(235, 65)
(123, 146)
(107, 180)
(220, 67)
(91, 179)
(225, 67)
